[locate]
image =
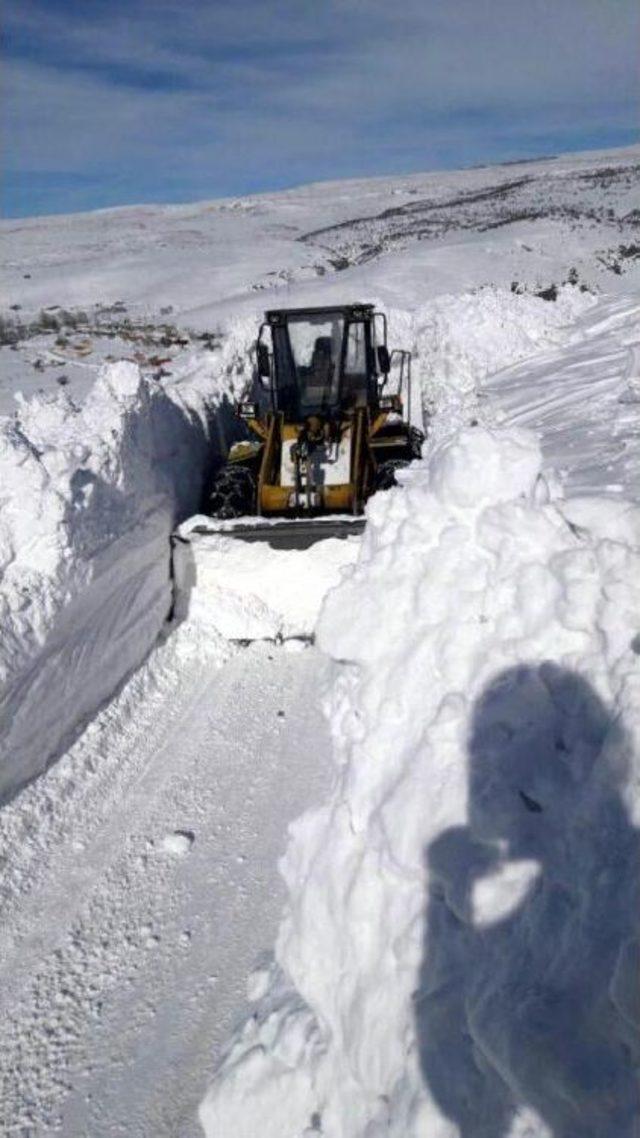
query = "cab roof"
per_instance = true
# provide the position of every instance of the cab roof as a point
(349, 311)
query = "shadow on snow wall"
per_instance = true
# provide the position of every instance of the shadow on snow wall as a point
(539, 1005)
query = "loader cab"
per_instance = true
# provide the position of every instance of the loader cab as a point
(321, 361)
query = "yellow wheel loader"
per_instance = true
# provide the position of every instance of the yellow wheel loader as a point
(323, 431)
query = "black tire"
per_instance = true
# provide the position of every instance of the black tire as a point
(233, 494)
(386, 473)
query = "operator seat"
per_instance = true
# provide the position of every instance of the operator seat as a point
(320, 374)
(321, 370)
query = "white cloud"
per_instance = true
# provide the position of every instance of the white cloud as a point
(219, 96)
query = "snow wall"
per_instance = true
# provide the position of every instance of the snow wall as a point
(459, 953)
(89, 497)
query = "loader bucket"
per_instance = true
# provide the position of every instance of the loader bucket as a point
(280, 533)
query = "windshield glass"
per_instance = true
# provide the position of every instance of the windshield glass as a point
(354, 379)
(322, 364)
(316, 344)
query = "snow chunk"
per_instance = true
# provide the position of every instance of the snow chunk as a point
(122, 379)
(480, 466)
(179, 843)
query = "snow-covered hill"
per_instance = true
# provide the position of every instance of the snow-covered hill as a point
(581, 208)
(147, 281)
(124, 341)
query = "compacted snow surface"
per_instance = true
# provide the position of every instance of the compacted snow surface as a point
(457, 954)
(139, 891)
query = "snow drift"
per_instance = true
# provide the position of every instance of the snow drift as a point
(90, 496)
(459, 951)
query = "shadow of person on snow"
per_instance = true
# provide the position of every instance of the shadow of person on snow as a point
(529, 988)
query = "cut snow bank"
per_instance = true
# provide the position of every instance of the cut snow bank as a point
(583, 397)
(459, 952)
(89, 498)
(459, 340)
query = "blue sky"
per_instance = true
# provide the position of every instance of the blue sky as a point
(109, 102)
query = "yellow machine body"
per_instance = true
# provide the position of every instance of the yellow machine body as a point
(325, 432)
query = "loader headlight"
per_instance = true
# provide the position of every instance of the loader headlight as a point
(247, 410)
(390, 403)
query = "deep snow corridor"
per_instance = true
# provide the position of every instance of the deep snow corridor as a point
(128, 948)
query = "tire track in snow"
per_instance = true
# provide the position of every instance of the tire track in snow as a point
(121, 991)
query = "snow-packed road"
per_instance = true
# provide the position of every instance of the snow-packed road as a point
(126, 956)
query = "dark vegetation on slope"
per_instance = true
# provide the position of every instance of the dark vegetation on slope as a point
(575, 198)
